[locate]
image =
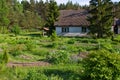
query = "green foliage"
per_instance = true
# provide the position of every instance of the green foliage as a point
(101, 17)
(35, 75)
(102, 65)
(16, 29)
(5, 57)
(72, 41)
(52, 15)
(40, 52)
(30, 45)
(17, 49)
(4, 21)
(117, 38)
(54, 36)
(58, 57)
(54, 44)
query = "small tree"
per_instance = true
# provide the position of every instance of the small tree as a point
(53, 13)
(5, 57)
(54, 36)
(102, 65)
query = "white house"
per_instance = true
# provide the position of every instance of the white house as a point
(72, 23)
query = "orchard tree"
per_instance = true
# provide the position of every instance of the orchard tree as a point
(101, 18)
(52, 15)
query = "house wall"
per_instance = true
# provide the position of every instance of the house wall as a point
(118, 29)
(75, 29)
(58, 30)
(71, 30)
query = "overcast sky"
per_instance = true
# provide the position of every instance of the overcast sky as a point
(81, 2)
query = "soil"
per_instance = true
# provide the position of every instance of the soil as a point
(27, 64)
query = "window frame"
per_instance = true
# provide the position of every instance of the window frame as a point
(83, 29)
(65, 29)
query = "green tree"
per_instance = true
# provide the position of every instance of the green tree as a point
(53, 13)
(4, 21)
(26, 5)
(101, 17)
(116, 9)
(5, 57)
(54, 36)
(101, 65)
(15, 13)
(30, 17)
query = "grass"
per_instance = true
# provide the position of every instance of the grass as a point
(30, 48)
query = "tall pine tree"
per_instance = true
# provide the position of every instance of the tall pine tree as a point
(101, 17)
(53, 13)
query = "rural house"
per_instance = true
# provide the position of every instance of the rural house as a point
(72, 23)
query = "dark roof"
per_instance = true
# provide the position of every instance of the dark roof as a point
(72, 18)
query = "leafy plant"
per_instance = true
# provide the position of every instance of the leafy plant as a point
(58, 57)
(17, 49)
(54, 36)
(72, 41)
(30, 45)
(16, 29)
(5, 57)
(101, 65)
(35, 75)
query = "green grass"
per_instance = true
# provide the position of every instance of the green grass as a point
(36, 48)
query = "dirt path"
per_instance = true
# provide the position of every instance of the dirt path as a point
(27, 64)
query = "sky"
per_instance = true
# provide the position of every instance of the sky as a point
(81, 2)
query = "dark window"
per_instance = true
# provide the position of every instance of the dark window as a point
(65, 29)
(84, 29)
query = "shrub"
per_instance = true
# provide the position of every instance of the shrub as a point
(40, 52)
(58, 57)
(54, 36)
(30, 45)
(5, 57)
(106, 46)
(72, 41)
(54, 44)
(17, 49)
(16, 29)
(101, 65)
(35, 75)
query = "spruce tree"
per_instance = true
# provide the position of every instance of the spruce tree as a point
(101, 17)
(52, 15)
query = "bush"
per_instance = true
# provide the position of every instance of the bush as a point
(16, 29)
(17, 49)
(40, 52)
(35, 75)
(54, 36)
(5, 57)
(106, 46)
(58, 57)
(101, 65)
(30, 45)
(72, 41)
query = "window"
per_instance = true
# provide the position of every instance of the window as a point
(65, 29)
(84, 29)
